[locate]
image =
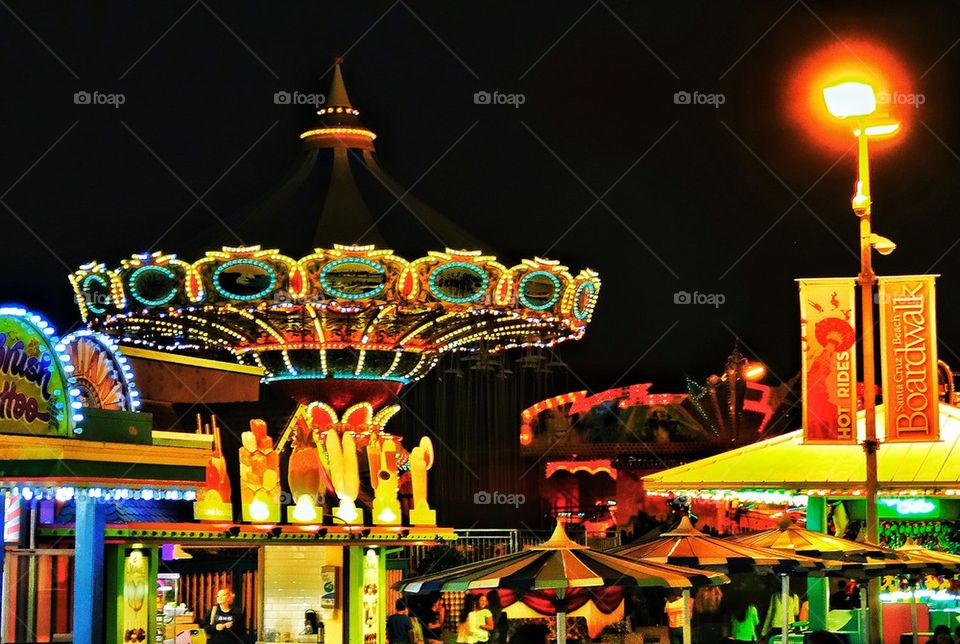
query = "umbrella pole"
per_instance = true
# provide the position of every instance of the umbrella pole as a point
(561, 617)
(864, 621)
(687, 639)
(785, 601)
(913, 614)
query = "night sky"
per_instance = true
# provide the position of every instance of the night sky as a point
(737, 200)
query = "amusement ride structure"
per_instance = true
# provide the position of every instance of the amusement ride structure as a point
(343, 328)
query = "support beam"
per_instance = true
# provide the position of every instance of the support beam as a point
(88, 572)
(817, 588)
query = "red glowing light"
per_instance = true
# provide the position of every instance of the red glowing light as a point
(526, 435)
(852, 59)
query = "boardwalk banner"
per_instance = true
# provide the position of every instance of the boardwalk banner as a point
(828, 340)
(908, 341)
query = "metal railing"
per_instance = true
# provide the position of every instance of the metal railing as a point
(479, 544)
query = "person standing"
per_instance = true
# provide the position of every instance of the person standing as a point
(481, 620)
(399, 626)
(464, 632)
(743, 622)
(225, 625)
(673, 607)
(433, 620)
(500, 625)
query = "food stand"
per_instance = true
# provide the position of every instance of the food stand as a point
(919, 496)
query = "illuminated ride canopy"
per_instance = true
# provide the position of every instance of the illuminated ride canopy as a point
(345, 324)
(346, 313)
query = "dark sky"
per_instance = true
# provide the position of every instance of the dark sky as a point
(712, 205)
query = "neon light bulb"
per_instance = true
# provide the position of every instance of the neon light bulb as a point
(387, 516)
(259, 510)
(305, 509)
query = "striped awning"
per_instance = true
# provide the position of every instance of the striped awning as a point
(558, 564)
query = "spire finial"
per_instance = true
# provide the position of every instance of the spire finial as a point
(339, 125)
(337, 96)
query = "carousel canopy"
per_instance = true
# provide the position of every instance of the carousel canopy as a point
(350, 308)
(786, 462)
(560, 563)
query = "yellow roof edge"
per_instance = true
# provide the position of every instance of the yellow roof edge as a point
(191, 361)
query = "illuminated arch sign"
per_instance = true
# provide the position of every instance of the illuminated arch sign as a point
(37, 396)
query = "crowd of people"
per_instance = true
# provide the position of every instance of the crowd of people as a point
(481, 620)
(941, 635)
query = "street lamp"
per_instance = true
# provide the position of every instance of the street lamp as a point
(857, 102)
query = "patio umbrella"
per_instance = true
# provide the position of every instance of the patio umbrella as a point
(941, 561)
(560, 564)
(789, 537)
(856, 557)
(687, 546)
(934, 558)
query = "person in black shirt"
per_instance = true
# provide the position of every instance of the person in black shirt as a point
(399, 625)
(225, 625)
(433, 620)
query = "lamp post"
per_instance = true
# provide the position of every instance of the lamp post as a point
(857, 101)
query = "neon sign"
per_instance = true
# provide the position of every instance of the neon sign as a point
(914, 507)
(38, 395)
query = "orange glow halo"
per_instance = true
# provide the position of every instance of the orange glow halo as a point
(850, 60)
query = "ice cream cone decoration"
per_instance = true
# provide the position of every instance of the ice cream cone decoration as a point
(304, 476)
(421, 460)
(386, 506)
(213, 499)
(325, 458)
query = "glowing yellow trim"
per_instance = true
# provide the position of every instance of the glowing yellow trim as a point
(323, 131)
(384, 415)
(393, 365)
(365, 407)
(360, 359)
(42, 448)
(175, 358)
(316, 321)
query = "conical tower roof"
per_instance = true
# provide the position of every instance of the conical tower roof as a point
(338, 193)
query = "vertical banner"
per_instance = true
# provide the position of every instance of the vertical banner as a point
(908, 341)
(828, 337)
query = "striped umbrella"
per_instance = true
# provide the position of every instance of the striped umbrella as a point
(687, 546)
(559, 564)
(790, 537)
(856, 558)
(943, 560)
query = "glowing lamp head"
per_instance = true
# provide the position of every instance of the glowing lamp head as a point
(850, 99)
(882, 245)
(754, 371)
(879, 129)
